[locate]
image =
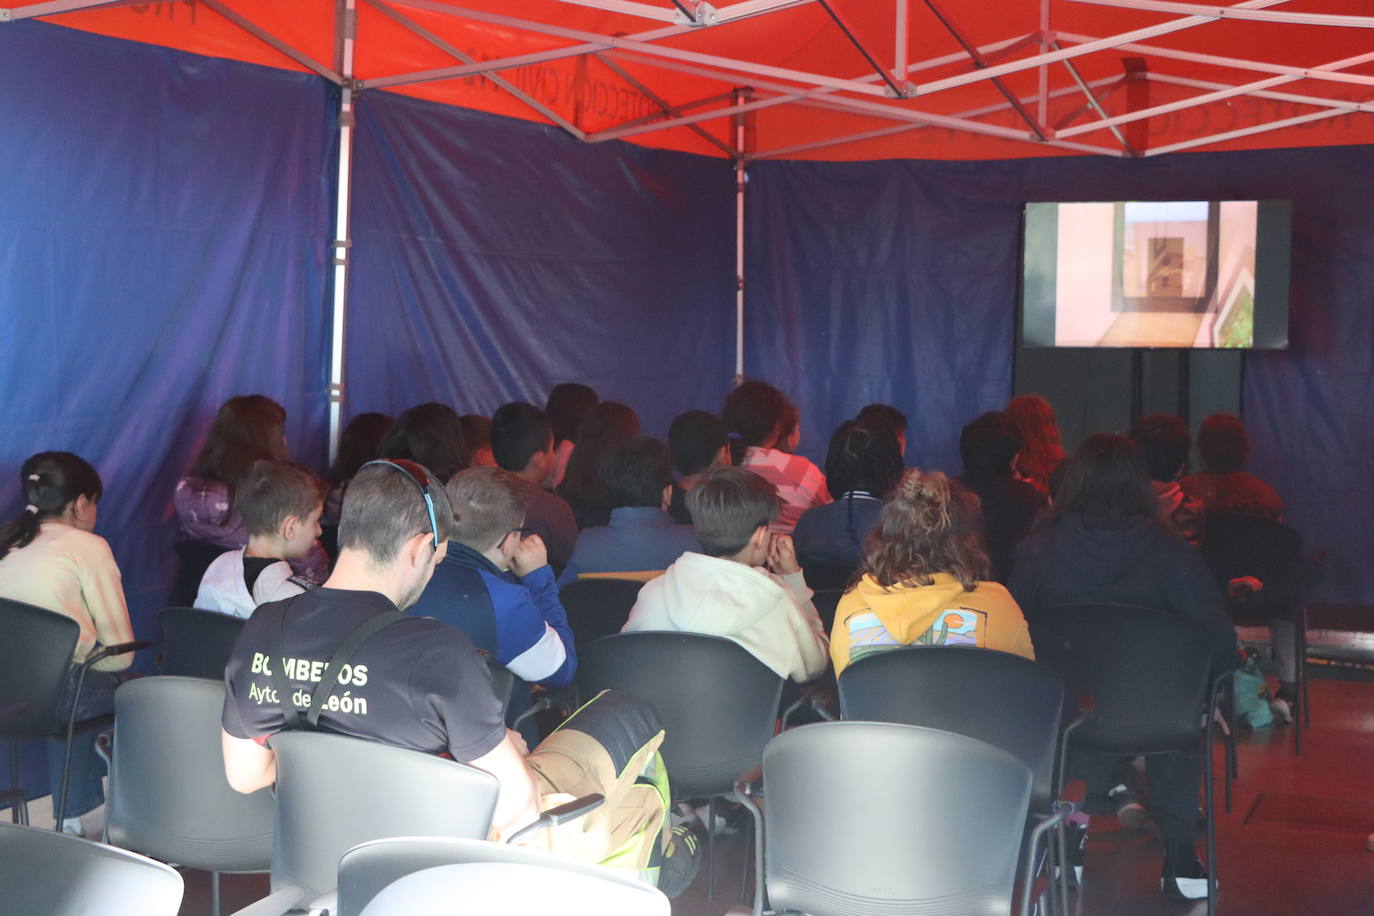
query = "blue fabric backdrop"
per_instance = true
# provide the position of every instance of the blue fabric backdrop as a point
(493, 259)
(896, 281)
(163, 230)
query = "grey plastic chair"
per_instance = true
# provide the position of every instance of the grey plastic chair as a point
(1006, 700)
(490, 887)
(873, 817)
(367, 870)
(335, 792)
(168, 797)
(718, 705)
(53, 874)
(35, 656)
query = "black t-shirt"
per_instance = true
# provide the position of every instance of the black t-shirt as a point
(416, 684)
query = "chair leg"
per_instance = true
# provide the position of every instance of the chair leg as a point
(19, 808)
(1062, 854)
(748, 861)
(67, 751)
(214, 893)
(711, 850)
(1302, 671)
(1228, 740)
(1209, 794)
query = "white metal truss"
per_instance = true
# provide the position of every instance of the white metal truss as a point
(884, 92)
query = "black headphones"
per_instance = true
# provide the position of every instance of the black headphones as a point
(418, 476)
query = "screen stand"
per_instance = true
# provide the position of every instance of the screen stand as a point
(1137, 383)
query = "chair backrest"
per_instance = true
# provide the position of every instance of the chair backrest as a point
(334, 792)
(717, 703)
(872, 817)
(367, 869)
(193, 559)
(1238, 545)
(516, 890)
(1006, 700)
(1144, 669)
(598, 607)
(828, 576)
(59, 875)
(826, 600)
(35, 653)
(197, 643)
(168, 797)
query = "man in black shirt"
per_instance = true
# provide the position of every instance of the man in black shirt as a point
(414, 684)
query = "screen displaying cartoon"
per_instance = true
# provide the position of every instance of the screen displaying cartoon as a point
(1184, 274)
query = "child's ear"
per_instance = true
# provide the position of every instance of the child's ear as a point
(667, 498)
(287, 528)
(760, 537)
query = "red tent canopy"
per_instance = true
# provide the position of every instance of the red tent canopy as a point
(823, 79)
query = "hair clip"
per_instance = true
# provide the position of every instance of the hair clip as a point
(35, 477)
(31, 508)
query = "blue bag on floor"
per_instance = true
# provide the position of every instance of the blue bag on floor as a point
(1252, 695)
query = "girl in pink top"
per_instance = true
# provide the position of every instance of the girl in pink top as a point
(757, 415)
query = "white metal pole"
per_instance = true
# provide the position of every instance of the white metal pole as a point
(342, 241)
(741, 179)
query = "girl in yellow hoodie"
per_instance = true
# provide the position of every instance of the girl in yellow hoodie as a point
(922, 579)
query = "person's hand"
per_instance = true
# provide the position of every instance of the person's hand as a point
(782, 556)
(529, 556)
(1243, 584)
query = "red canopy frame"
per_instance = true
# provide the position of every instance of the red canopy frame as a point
(771, 79)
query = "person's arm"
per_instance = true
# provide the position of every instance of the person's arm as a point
(518, 803)
(812, 643)
(247, 765)
(536, 641)
(103, 591)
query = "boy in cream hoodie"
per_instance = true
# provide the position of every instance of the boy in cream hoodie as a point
(745, 585)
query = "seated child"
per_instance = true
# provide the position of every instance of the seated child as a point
(862, 466)
(496, 585)
(745, 585)
(522, 444)
(280, 503)
(699, 442)
(642, 539)
(756, 414)
(924, 579)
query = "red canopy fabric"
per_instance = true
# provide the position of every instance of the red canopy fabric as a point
(1172, 76)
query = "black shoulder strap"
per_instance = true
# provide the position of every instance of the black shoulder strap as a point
(329, 681)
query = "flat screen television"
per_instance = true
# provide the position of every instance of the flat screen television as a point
(1186, 274)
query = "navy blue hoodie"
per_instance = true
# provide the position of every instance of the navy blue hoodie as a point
(1129, 561)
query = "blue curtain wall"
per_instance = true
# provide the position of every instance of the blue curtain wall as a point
(493, 259)
(163, 246)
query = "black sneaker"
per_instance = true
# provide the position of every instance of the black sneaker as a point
(681, 861)
(1184, 876)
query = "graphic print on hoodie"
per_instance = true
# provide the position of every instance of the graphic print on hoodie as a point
(871, 619)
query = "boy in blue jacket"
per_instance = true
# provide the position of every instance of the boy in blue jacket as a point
(496, 584)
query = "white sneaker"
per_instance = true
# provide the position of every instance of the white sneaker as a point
(71, 826)
(1283, 713)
